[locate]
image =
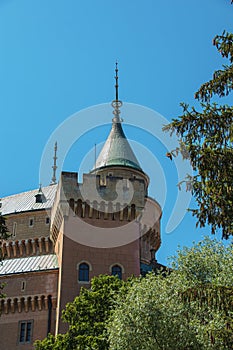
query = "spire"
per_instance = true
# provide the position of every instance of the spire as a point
(54, 167)
(116, 104)
(117, 150)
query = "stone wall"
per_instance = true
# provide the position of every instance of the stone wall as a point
(29, 224)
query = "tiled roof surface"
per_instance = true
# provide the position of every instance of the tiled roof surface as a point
(31, 263)
(26, 201)
(117, 150)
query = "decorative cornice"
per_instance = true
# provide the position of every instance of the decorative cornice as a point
(28, 247)
(27, 303)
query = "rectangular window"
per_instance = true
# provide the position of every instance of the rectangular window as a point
(47, 220)
(25, 332)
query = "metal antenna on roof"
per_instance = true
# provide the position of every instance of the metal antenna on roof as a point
(54, 167)
(116, 104)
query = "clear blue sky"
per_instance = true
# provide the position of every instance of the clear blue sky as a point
(57, 58)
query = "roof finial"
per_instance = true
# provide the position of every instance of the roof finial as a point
(54, 167)
(116, 104)
(116, 78)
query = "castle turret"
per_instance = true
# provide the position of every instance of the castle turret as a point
(107, 224)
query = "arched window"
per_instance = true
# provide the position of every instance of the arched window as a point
(117, 271)
(83, 272)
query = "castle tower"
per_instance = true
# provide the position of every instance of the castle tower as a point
(65, 233)
(107, 224)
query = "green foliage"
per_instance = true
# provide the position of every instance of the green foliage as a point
(87, 316)
(206, 138)
(4, 233)
(2, 295)
(189, 309)
(221, 83)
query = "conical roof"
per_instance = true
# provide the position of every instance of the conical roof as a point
(117, 150)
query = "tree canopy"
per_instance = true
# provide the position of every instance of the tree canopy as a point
(87, 317)
(191, 308)
(206, 138)
(4, 233)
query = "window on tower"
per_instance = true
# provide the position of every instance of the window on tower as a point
(117, 271)
(25, 332)
(83, 272)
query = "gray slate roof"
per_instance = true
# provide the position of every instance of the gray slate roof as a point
(117, 150)
(26, 201)
(28, 264)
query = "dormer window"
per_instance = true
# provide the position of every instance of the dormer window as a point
(40, 197)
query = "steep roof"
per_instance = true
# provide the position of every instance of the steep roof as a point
(117, 150)
(26, 201)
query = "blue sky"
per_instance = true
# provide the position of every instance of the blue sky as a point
(58, 57)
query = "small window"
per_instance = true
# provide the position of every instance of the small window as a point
(83, 272)
(23, 286)
(117, 271)
(14, 230)
(47, 221)
(25, 332)
(31, 222)
(103, 181)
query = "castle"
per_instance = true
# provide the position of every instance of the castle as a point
(65, 233)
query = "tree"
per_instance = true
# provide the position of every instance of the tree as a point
(206, 138)
(4, 234)
(191, 308)
(87, 316)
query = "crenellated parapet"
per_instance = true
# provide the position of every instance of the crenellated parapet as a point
(98, 198)
(104, 197)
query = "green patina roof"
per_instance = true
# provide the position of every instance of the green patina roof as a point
(117, 150)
